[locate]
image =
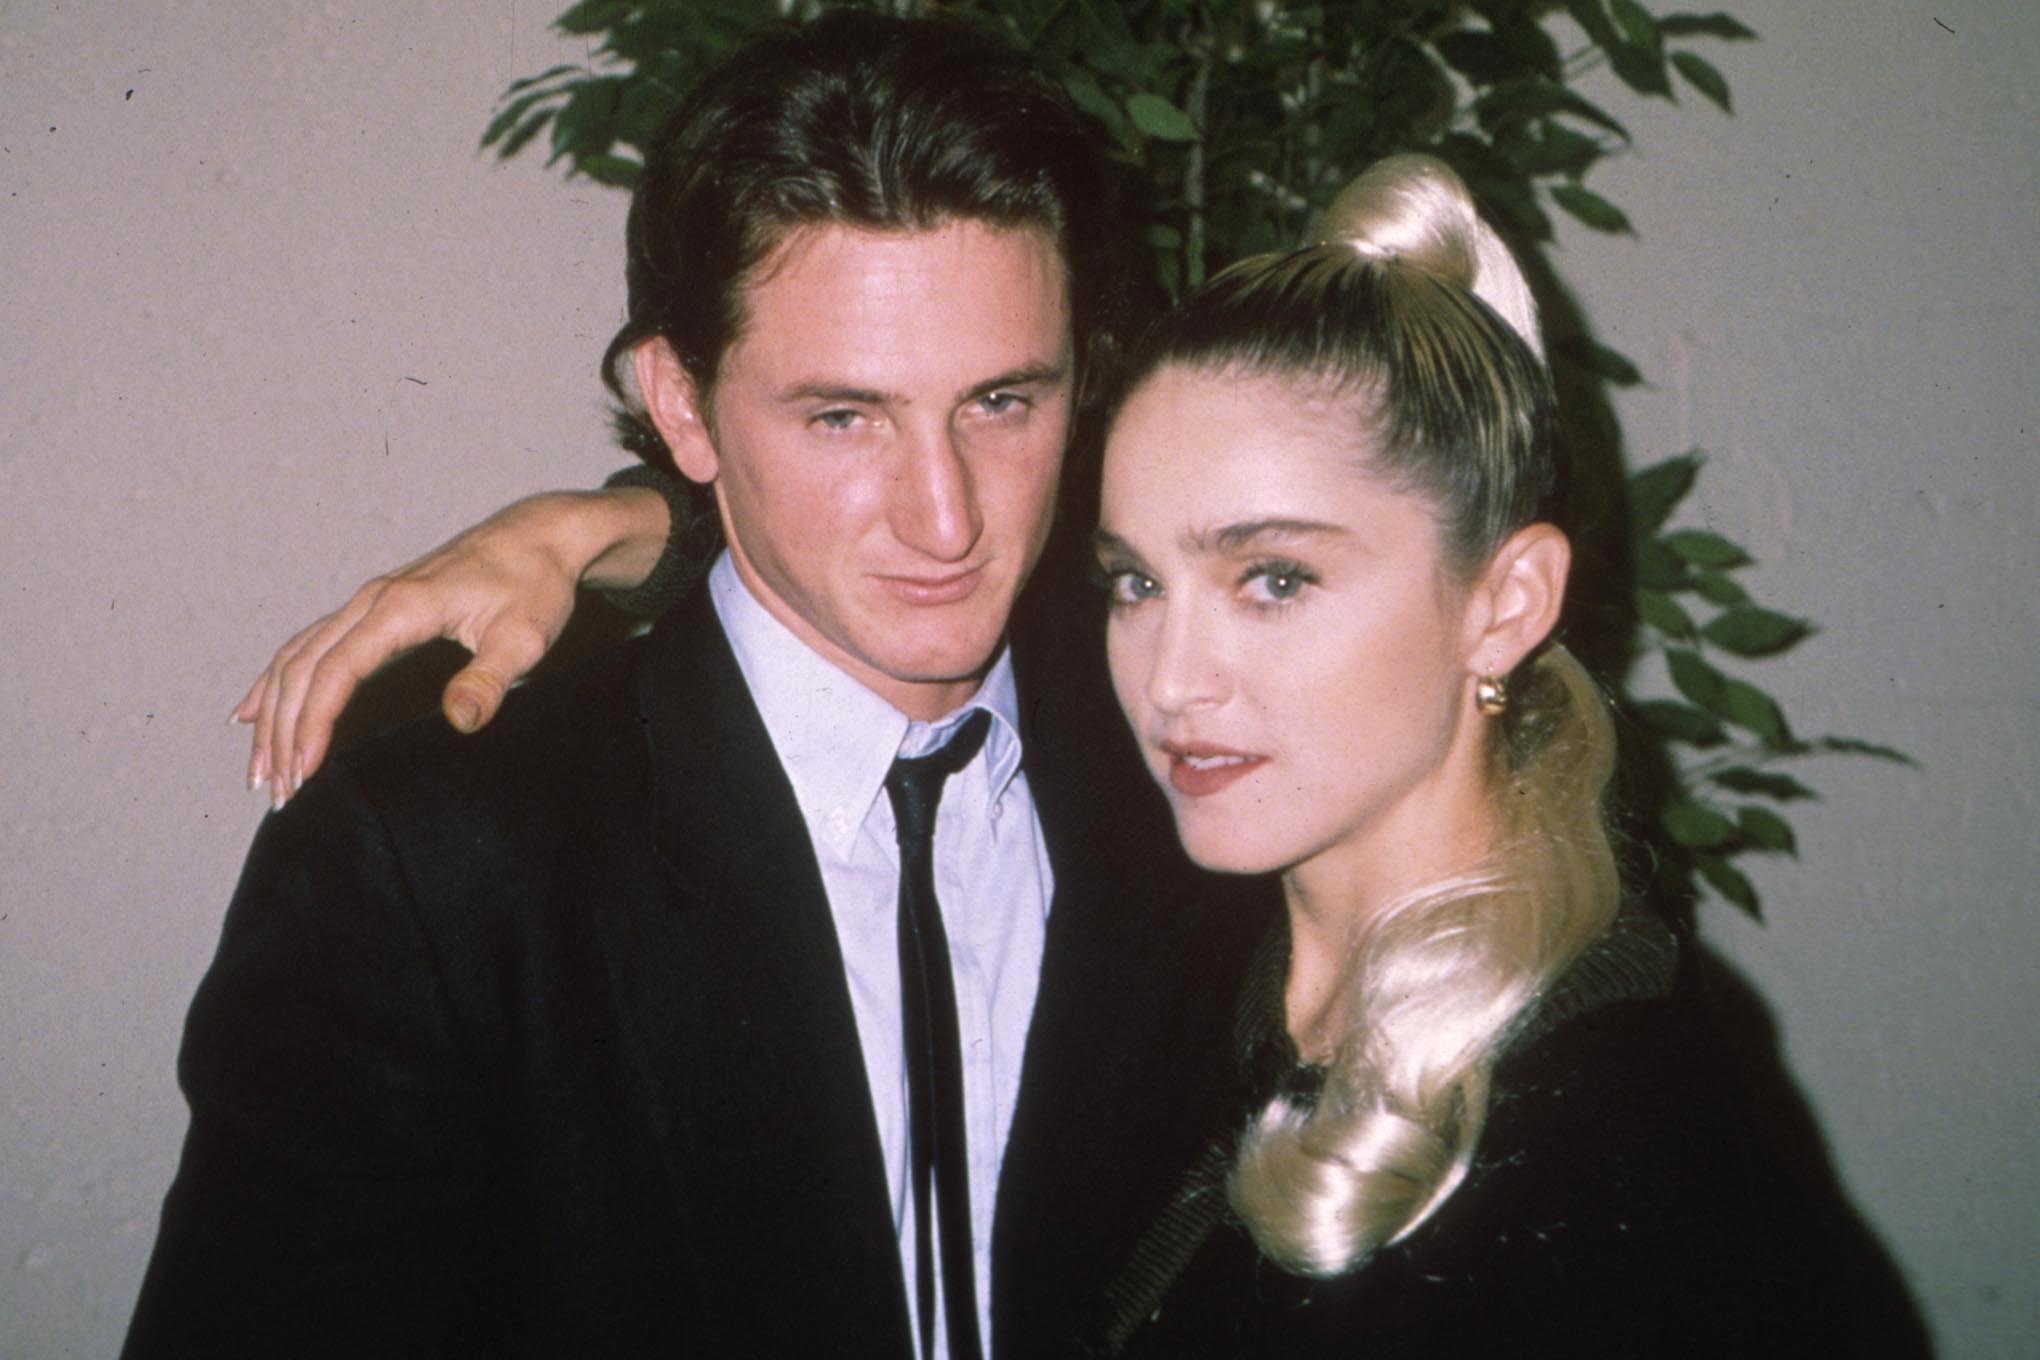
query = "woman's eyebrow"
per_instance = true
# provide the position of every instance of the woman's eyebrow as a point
(1105, 543)
(1233, 537)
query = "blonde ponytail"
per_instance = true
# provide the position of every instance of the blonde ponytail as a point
(1413, 210)
(1439, 979)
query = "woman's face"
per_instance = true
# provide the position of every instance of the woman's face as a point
(1284, 637)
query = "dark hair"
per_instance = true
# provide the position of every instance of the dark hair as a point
(859, 119)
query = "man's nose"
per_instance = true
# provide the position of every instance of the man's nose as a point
(934, 505)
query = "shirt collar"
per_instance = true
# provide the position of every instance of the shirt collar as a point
(836, 739)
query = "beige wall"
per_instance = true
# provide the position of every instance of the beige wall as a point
(219, 290)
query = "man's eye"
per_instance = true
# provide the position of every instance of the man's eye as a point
(999, 403)
(836, 420)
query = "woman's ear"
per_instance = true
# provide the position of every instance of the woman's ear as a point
(672, 401)
(1518, 598)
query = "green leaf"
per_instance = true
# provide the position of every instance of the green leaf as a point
(1160, 119)
(1711, 25)
(593, 16)
(1735, 700)
(1850, 746)
(1749, 630)
(1637, 26)
(1767, 783)
(1589, 207)
(1088, 95)
(1682, 722)
(1540, 99)
(1546, 147)
(1598, 359)
(1589, 15)
(1727, 880)
(1765, 829)
(1697, 680)
(1703, 548)
(619, 172)
(526, 130)
(1697, 827)
(507, 119)
(1755, 711)
(586, 125)
(1108, 43)
(1479, 56)
(519, 86)
(1660, 611)
(1654, 492)
(1656, 566)
(1717, 588)
(1525, 37)
(1701, 75)
(1641, 71)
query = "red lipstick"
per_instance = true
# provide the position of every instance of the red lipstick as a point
(1197, 771)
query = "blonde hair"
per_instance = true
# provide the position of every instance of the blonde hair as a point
(1412, 309)
(1438, 979)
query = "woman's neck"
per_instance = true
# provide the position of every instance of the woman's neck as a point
(1332, 898)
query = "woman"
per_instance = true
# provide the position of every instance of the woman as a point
(1328, 530)
(1472, 1114)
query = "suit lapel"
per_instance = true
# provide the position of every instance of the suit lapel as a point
(731, 984)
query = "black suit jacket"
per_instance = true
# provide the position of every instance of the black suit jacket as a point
(538, 1041)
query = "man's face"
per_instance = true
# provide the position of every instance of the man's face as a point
(884, 439)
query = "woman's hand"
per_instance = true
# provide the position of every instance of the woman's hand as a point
(503, 589)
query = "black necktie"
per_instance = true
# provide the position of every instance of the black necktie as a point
(934, 1054)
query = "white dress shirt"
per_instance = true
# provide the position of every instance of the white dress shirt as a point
(836, 741)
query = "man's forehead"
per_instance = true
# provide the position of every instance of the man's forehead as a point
(957, 304)
(793, 241)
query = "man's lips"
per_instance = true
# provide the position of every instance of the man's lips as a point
(1197, 770)
(946, 588)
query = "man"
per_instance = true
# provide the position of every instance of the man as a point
(596, 1033)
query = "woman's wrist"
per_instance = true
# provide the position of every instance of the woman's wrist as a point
(620, 533)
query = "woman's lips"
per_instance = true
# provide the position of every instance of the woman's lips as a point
(1199, 771)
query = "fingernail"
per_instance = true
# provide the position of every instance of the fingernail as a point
(297, 774)
(276, 795)
(467, 714)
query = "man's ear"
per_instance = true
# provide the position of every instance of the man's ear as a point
(673, 403)
(1518, 598)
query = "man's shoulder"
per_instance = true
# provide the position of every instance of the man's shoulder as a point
(552, 735)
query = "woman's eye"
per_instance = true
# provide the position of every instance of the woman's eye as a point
(1278, 582)
(1127, 585)
(1131, 587)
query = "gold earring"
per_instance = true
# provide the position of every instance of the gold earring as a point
(1491, 696)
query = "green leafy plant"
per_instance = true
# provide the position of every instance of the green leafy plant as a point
(1239, 120)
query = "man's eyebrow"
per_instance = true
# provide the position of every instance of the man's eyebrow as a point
(1030, 375)
(1233, 537)
(827, 391)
